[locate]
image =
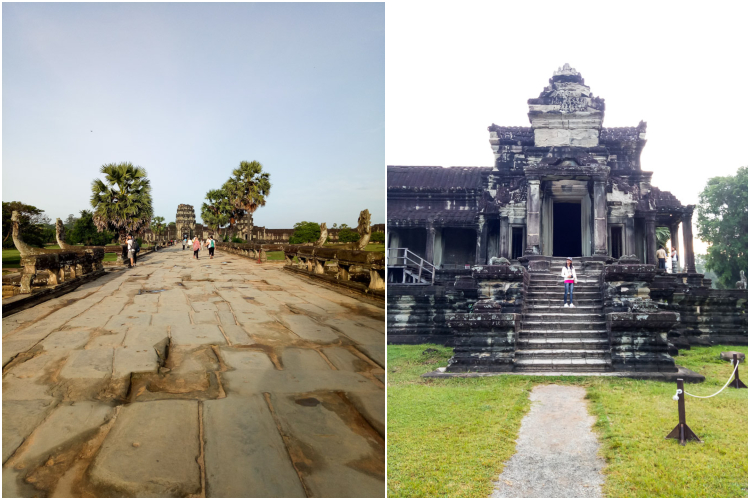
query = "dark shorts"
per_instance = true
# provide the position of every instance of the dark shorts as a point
(662, 263)
(211, 251)
(195, 252)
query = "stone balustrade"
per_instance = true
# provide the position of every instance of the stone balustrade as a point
(57, 266)
(342, 265)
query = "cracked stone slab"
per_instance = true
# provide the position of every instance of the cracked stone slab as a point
(150, 451)
(245, 455)
(296, 359)
(19, 419)
(197, 335)
(308, 329)
(89, 364)
(134, 359)
(556, 450)
(246, 359)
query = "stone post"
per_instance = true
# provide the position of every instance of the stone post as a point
(504, 238)
(630, 235)
(673, 237)
(429, 251)
(481, 255)
(533, 204)
(687, 235)
(651, 239)
(600, 217)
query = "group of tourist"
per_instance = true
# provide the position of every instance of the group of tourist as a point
(133, 249)
(210, 244)
(661, 256)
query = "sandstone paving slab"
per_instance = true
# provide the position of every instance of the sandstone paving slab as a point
(310, 308)
(308, 329)
(110, 340)
(270, 331)
(245, 317)
(556, 450)
(122, 320)
(137, 309)
(375, 352)
(19, 419)
(203, 306)
(66, 340)
(226, 317)
(246, 359)
(134, 359)
(88, 364)
(22, 389)
(343, 359)
(237, 334)
(68, 424)
(222, 305)
(296, 359)
(322, 303)
(151, 451)
(372, 407)
(186, 360)
(11, 348)
(339, 462)
(248, 382)
(171, 318)
(244, 453)
(145, 336)
(357, 332)
(205, 317)
(197, 335)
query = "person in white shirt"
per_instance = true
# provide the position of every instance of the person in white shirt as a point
(675, 261)
(570, 279)
(131, 251)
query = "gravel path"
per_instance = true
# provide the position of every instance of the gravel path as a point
(556, 451)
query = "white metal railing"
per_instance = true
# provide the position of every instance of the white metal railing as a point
(412, 265)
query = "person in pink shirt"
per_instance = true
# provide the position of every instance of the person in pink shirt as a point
(570, 278)
(196, 247)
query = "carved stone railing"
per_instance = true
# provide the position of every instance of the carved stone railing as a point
(58, 266)
(338, 264)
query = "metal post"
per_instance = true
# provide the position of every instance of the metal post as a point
(682, 432)
(737, 383)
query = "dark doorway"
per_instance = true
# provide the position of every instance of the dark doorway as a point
(413, 239)
(566, 229)
(516, 243)
(616, 242)
(459, 246)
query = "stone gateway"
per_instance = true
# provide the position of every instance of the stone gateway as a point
(498, 236)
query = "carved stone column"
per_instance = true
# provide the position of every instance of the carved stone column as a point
(673, 237)
(481, 255)
(630, 235)
(429, 251)
(687, 235)
(600, 217)
(533, 206)
(650, 239)
(504, 243)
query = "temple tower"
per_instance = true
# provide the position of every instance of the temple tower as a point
(185, 221)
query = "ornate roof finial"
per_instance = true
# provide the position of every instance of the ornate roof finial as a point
(566, 70)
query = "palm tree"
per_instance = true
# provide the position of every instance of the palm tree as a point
(247, 189)
(122, 202)
(157, 225)
(662, 236)
(217, 212)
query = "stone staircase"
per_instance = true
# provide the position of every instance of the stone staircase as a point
(553, 338)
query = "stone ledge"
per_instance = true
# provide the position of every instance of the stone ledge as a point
(377, 296)
(688, 376)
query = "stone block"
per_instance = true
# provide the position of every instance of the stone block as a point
(134, 359)
(302, 360)
(19, 419)
(246, 359)
(150, 451)
(244, 453)
(89, 364)
(66, 340)
(308, 329)
(197, 335)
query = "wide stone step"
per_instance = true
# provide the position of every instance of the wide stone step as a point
(527, 333)
(562, 343)
(558, 308)
(567, 364)
(539, 294)
(566, 315)
(562, 353)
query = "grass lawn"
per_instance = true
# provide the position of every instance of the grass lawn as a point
(11, 257)
(451, 437)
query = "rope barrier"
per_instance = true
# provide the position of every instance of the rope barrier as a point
(712, 395)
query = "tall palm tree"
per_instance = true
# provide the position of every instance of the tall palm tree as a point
(662, 236)
(247, 189)
(122, 202)
(216, 213)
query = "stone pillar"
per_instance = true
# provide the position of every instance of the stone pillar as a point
(651, 239)
(533, 205)
(630, 235)
(687, 235)
(429, 251)
(504, 243)
(600, 217)
(481, 255)
(673, 237)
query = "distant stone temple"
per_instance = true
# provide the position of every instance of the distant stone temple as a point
(475, 253)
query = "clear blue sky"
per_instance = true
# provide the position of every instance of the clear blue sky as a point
(187, 91)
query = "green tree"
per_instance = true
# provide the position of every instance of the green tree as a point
(305, 232)
(158, 226)
(246, 190)
(662, 236)
(217, 210)
(347, 234)
(122, 202)
(377, 237)
(722, 223)
(31, 227)
(85, 231)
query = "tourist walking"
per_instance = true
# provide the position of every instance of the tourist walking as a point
(675, 261)
(184, 242)
(196, 247)
(211, 245)
(570, 279)
(661, 254)
(131, 251)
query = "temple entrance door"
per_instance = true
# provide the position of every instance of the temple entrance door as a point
(566, 229)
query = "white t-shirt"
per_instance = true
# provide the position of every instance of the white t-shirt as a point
(130, 245)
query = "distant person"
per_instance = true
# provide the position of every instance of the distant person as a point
(136, 249)
(196, 247)
(211, 243)
(131, 253)
(184, 242)
(570, 279)
(675, 261)
(662, 256)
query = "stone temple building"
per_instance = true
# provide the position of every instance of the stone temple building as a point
(474, 253)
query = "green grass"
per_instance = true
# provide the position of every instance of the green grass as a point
(11, 257)
(451, 437)
(109, 257)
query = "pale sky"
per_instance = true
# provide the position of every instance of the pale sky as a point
(187, 91)
(681, 67)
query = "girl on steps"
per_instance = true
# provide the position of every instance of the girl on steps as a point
(570, 278)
